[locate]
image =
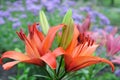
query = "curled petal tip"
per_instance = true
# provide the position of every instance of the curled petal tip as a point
(9, 65)
(110, 63)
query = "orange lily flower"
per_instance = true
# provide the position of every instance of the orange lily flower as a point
(37, 48)
(79, 53)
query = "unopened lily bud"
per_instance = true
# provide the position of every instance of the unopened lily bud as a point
(68, 30)
(44, 22)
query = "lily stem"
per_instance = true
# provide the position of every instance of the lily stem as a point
(63, 75)
(59, 65)
(44, 69)
(55, 76)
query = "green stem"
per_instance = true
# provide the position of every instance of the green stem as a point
(69, 76)
(90, 74)
(59, 65)
(43, 68)
(55, 75)
(63, 75)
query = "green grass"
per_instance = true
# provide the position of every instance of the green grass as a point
(108, 3)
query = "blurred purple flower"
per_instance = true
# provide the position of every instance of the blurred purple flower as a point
(5, 14)
(44, 2)
(77, 17)
(2, 21)
(35, 1)
(109, 28)
(17, 3)
(16, 25)
(34, 9)
(63, 10)
(1, 13)
(13, 19)
(93, 16)
(35, 6)
(69, 3)
(112, 30)
(104, 19)
(117, 73)
(23, 16)
(28, 2)
(16, 6)
(86, 9)
(50, 5)
(95, 28)
(16, 9)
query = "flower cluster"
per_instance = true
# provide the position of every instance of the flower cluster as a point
(75, 48)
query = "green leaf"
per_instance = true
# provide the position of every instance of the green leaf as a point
(50, 71)
(42, 76)
(44, 22)
(11, 78)
(68, 30)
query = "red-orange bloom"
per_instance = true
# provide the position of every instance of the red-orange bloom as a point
(37, 48)
(79, 53)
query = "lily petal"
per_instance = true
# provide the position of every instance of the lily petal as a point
(31, 49)
(84, 61)
(50, 59)
(15, 55)
(9, 65)
(74, 41)
(89, 51)
(47, 42)
(86, 23)
(116, 59)
(36, 37)
(19, 57)
(58, 51)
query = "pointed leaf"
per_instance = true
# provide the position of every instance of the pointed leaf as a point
(42, 76)
(50, 71)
